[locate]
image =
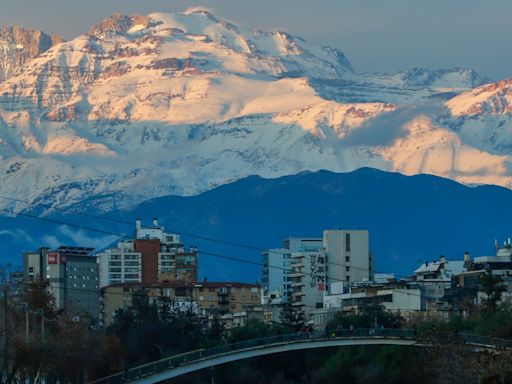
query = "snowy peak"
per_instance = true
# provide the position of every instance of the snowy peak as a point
(19, 45)
(119, 23)
(494, 98)
(176, 103)
(455, 78)
(198, 33)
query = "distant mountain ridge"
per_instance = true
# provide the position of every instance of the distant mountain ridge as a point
(411, 219)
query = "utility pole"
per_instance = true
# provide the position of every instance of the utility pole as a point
(5, 349)
(41, 311)
(27, 323)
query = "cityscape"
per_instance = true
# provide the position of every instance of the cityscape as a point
(308, 284)
(283, 192)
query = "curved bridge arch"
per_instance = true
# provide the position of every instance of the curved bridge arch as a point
(178, 365)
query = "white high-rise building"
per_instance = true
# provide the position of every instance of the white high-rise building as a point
(276, 279)
(348, 255)
(306, 267)
(152, 256)
(122, 264)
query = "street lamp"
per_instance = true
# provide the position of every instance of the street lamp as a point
(41, 311)
(27, 326)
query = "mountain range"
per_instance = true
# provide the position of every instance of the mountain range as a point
(144, 106)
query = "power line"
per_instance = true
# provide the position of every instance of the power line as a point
(60, 222)
(182, 233)
(118, 221)
(125, 236)
(122, 235)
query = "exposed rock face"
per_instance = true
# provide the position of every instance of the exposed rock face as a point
(19, 45)
(120, 23)
(148, 105)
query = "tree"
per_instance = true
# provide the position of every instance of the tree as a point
(370, 316)
(151, 329)
(493, 288)
(216, 330)
(290, 316)
(65, 351)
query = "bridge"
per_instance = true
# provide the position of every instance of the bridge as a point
(184, 363)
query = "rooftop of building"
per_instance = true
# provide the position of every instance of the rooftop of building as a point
(183, 284)
(69, 250)
(455, 267)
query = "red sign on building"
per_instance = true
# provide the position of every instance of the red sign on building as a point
(53, 258)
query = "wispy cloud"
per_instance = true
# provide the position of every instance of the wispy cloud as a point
(389, 126)
(67, 236)
(17, 234)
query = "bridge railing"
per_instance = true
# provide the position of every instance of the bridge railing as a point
(185, 358)
(494, 342)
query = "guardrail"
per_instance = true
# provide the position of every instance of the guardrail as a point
(189, 357)
(484, 341)
(175, 361)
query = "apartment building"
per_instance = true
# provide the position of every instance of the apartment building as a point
(72, 276)
(152, 256)
(205, 298)
(306, 267)
(349, 256)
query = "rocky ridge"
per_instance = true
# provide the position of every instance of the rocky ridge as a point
(19, 45)
(148, 105)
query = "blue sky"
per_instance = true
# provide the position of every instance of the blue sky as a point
(376, 35)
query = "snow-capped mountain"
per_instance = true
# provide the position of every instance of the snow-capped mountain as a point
(148, 105)
(408, 87)
(19, 45)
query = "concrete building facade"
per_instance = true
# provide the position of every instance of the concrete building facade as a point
(305, 268)
(152, 256)
(206, 298)
(348, 255)
(72, 276)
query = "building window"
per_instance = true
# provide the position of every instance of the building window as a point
(347, 259)
(347, 242)
(114, 275)
(131, 263)
(348, 278)
(347, 268)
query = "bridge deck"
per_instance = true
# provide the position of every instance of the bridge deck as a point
(178, 365)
